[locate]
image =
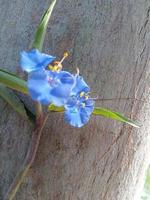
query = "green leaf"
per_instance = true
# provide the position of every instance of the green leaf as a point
(114, 115)
(13, 100)
(103, 112)
(41, 30)
(12, 81)
(10, 73)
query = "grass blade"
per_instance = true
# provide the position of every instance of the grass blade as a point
(13, 100)
(41, 30)
(114, 115)
(102, 112)
(12, 81)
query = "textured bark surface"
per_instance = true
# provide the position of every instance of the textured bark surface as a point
(109, 42)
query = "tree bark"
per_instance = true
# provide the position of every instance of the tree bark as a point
(109, 42)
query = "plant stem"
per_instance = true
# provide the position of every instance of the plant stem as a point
(38, 110)
(40, 123)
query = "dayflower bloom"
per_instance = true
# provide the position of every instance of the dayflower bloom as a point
(34, 60)
(50, 87)
(79, 106)
(46, 86)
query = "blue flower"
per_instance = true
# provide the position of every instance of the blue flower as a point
(79, 106)
(34, 60)
(46, 86)
(50, 86)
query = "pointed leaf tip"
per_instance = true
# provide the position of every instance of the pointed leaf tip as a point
(115, 115)
(41, 29)
(102, 112)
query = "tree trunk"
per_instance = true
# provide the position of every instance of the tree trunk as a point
(104, 160)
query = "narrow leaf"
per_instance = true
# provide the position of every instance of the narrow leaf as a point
(103, 112)
(12, 81)
(114, 115)
(13, 100)
(10, 73)
(41, 30)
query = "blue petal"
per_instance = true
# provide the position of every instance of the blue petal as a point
(46, 86)
(64, 83)
(78, 109)
(75, 114)
(39, 87)
(89, 107)
(34, 60)
(72, 101)
(66, 78)
(76, 118)
(80, 86)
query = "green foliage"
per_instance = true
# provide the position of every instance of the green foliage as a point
(114, 115)
(39, 38)
(41, 30)
(13, 100)
(12, 81)
(102, 112)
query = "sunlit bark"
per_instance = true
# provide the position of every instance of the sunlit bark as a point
(109, 42)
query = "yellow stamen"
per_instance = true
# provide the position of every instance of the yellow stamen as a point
(50, 67)
(58, 64)
(86, 97)
(54, 68)
(66, 54)
(82, 94)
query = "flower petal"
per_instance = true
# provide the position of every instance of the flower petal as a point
(63, 87)
(34, 60)
(76, 114)
(89, 106)
(76, 118)
(79, 108)
(80, 86)
(39, 87)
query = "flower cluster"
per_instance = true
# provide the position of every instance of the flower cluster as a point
(49, 84)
